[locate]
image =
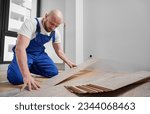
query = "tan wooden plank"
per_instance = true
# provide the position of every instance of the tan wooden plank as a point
(104, 89)
(94, 88)
(119, 81)
(76, 89)
(67, 74)
(88, 90)
(92, 78)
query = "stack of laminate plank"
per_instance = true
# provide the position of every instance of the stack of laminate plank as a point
(89, 88)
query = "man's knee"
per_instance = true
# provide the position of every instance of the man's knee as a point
(51, 73)
(14, 78)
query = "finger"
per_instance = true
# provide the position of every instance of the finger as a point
(23, 87)
(29, 86)
(34, 86)
(71, 66)
(37, 84)
(74, 65)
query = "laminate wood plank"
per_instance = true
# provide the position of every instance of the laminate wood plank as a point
(119, 81)
(94, 88)
(67, 74)
(76, 89)
(88, 90)
(104, 89)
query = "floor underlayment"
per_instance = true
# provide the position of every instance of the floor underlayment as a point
(110, 82)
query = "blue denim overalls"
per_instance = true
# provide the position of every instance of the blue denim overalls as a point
(38, 61)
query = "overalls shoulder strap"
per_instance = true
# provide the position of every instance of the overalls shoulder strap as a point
(38, 29)
(52, 35)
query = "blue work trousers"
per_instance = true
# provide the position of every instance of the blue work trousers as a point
(40, 65)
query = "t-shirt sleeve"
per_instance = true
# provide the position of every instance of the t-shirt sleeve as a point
(57, 36)
(28, 28)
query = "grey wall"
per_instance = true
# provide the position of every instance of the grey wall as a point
(47, 5)
(118, 31)
(70, 37)
(74, 30)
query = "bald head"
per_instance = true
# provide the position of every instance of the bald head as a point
(52, 20)
(56, 15)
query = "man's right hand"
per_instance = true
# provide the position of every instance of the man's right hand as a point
(30, 83)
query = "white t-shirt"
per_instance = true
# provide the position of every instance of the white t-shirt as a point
(28, 29)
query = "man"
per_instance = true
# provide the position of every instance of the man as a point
(29, 54)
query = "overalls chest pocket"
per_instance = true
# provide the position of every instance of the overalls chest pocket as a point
(42, 39)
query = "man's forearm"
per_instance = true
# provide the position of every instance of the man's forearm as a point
(62, 56)
(60, 53)
(22, 62)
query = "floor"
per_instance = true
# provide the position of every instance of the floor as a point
(3, 69)
(141, 89)
(7, 89)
